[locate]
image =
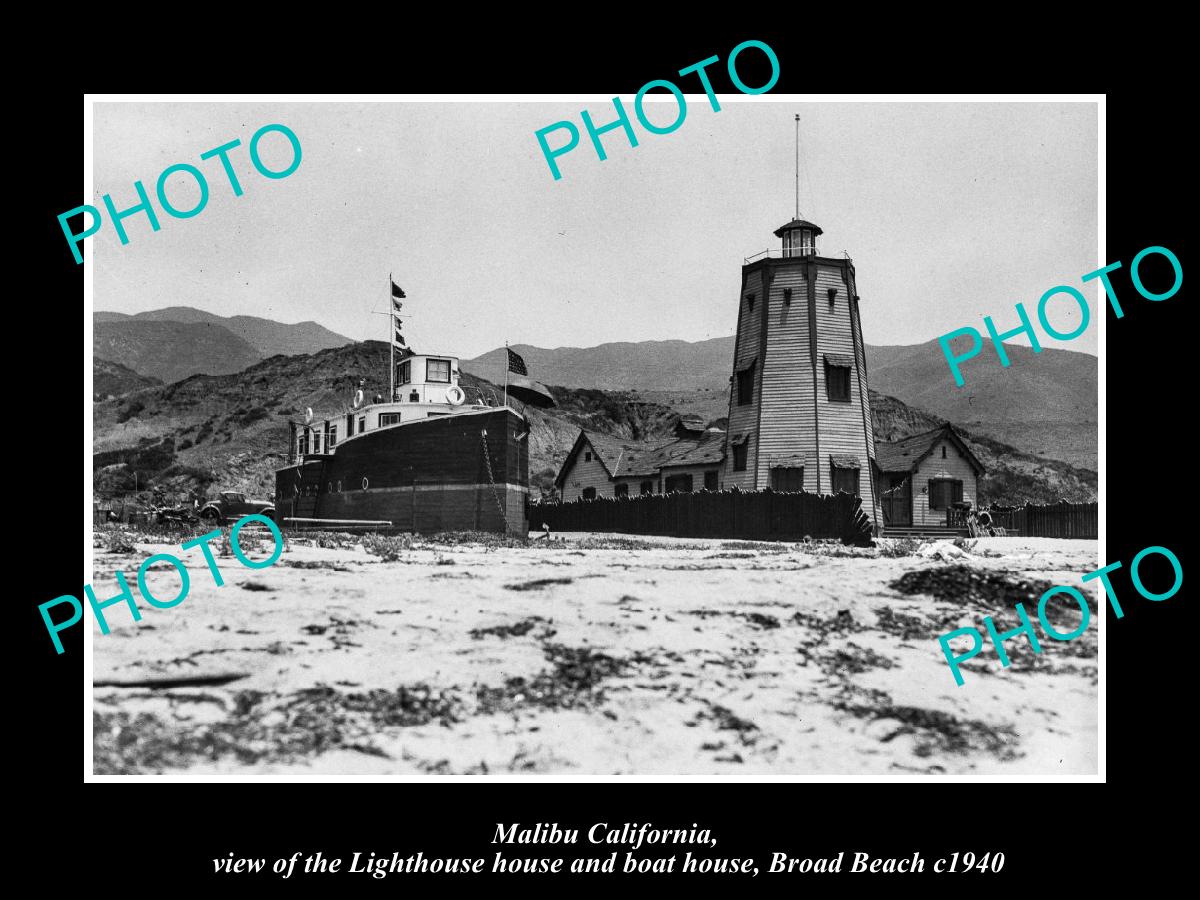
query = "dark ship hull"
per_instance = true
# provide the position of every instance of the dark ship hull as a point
(463, 472)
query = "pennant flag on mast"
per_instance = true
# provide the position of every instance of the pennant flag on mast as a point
(397, 295)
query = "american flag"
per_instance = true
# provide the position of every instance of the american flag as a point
(516, 364)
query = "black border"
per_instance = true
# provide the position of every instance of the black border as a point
(1059, 835)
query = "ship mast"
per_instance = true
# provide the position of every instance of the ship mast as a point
(392, 342)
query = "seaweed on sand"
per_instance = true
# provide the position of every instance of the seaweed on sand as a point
(573, 682)
(934, 731)
(537, 584)
(964, 584)
(853, 660)
(298, 726)
(515, 629)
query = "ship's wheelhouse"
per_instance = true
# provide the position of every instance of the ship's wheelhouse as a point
(426, 385)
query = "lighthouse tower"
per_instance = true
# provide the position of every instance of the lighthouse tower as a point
(799, 410)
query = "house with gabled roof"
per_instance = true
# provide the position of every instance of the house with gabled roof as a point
(600, 465)
(920, 477)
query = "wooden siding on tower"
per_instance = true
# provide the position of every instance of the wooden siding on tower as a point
(744, 419)
(841, 422)
(786, 427)
(791, 421)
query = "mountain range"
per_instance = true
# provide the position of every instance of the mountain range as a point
(230, 430)
(173, 343)
(1043, 404)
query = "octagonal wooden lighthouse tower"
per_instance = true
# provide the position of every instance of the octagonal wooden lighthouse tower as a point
(799, 410)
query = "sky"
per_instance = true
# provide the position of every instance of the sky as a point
(950, 211)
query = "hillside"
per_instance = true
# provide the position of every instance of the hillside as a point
(230, 431)
(111, 380)
(663, 365)
(1013, 476)
(1044, 403)
(252, 339)
(267, 336)
(170, 351)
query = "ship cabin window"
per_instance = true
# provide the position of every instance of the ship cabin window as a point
(647, 487)
(437, 370)
(389, 419)
(362, 424)
(331, 435)
(405, 372)
(621, 490)
(316, 442)
(350, 425)
(434, 415)
(414, 397)
(303, 448)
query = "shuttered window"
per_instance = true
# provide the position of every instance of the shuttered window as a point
(739, 456)
(944, 492)
(678, 483)
(745, 385)
(837, 382)
(787, 478)
(845, 479)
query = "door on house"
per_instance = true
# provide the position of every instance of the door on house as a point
(897, 500)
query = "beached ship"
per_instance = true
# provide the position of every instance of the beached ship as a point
(425, 461)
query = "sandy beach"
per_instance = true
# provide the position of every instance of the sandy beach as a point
(592, 655)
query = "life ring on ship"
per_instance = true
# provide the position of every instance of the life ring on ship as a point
(307, 415)
(455, 395)
(365, 482)
(358, 399)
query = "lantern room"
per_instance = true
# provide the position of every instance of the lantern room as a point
(799, 238)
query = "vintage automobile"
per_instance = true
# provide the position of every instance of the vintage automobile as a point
(232, 505)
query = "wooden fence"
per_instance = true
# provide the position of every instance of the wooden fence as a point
(1057, 520)
(750, 515)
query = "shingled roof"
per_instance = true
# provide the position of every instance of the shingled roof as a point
(623, 459)
(904, 455)
(705, 449)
